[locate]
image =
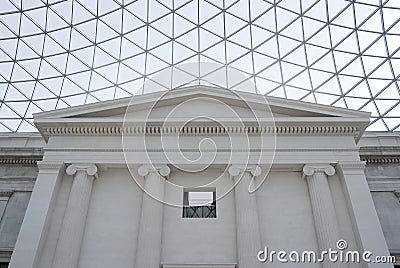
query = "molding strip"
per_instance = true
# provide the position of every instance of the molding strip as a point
(19, 161)
(204, 130)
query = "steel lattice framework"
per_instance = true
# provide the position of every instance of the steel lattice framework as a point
(57, 54)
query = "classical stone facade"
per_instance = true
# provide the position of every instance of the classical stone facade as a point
(106, 196)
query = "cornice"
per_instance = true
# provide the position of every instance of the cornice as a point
(378, 160)
(355, 165)
(10, 160)
(300, 130)
(117, 150)
(380, 154)
(49, 165)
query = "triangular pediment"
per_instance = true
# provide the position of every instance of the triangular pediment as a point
(240, 100)
(204, 106)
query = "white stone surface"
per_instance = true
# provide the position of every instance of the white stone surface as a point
(118, 215)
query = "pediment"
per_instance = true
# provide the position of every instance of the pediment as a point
(200, 104)
(165, 102)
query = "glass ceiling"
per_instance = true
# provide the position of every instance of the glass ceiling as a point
(57, 54)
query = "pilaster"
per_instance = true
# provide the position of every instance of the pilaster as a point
(248, 236)
(365, 221)
(326, 225)
(73, 226)
(33, 231)
(148, 253)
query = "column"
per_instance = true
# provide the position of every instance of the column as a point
(248, 237)
(73, 225)
(323, 208)
(366, 226)
(37, 216)
(148, 253)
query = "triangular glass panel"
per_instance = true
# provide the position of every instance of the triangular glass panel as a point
(105, 32)
(164, 25)
(363, 12)
(207, 39)
(264, 86)
(207, 11)
(139, 9)
(287, 45)
(61, 37)
(182, 26)
(190, 40)
(69, 88)
(360, 91)
(31, 65)
(114, 20)
(272, 73)
(338, 34)
(28, 27)
(343, 58)
(267, 21)
(138, 36)
(26, 127)
(99, 82)
(78, 41)
(42, 93)
(311, 26)
(25, 87)
(261, 62)
(14, 94)
(215, 25)
(318, 11)
(355, 103)
(302, 80)
(112, 47)
(297, 57)
(370, 63)
(181, 53)
(155, 38)
(391, 92)
(156, 10)
(325, 63)
(242, 37)
(331, 86)
(102, 58)
(19, 74)
(89, 29)
(234, 51)
(294, 30)
(52, 48)
(81, 14)
(75, 65)
(295, 93)
(130, 22)
(126, 74)
(290, 70)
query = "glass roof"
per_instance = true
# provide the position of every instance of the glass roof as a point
(57, 54)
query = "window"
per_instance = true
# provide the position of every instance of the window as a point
(199, 203)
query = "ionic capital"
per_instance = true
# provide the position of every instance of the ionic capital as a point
(90, 169)
(309, 170)
(162, 170)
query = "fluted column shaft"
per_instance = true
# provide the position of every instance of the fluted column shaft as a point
(327, 228)
(148, 252)
(73, 225)
(248, 237)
